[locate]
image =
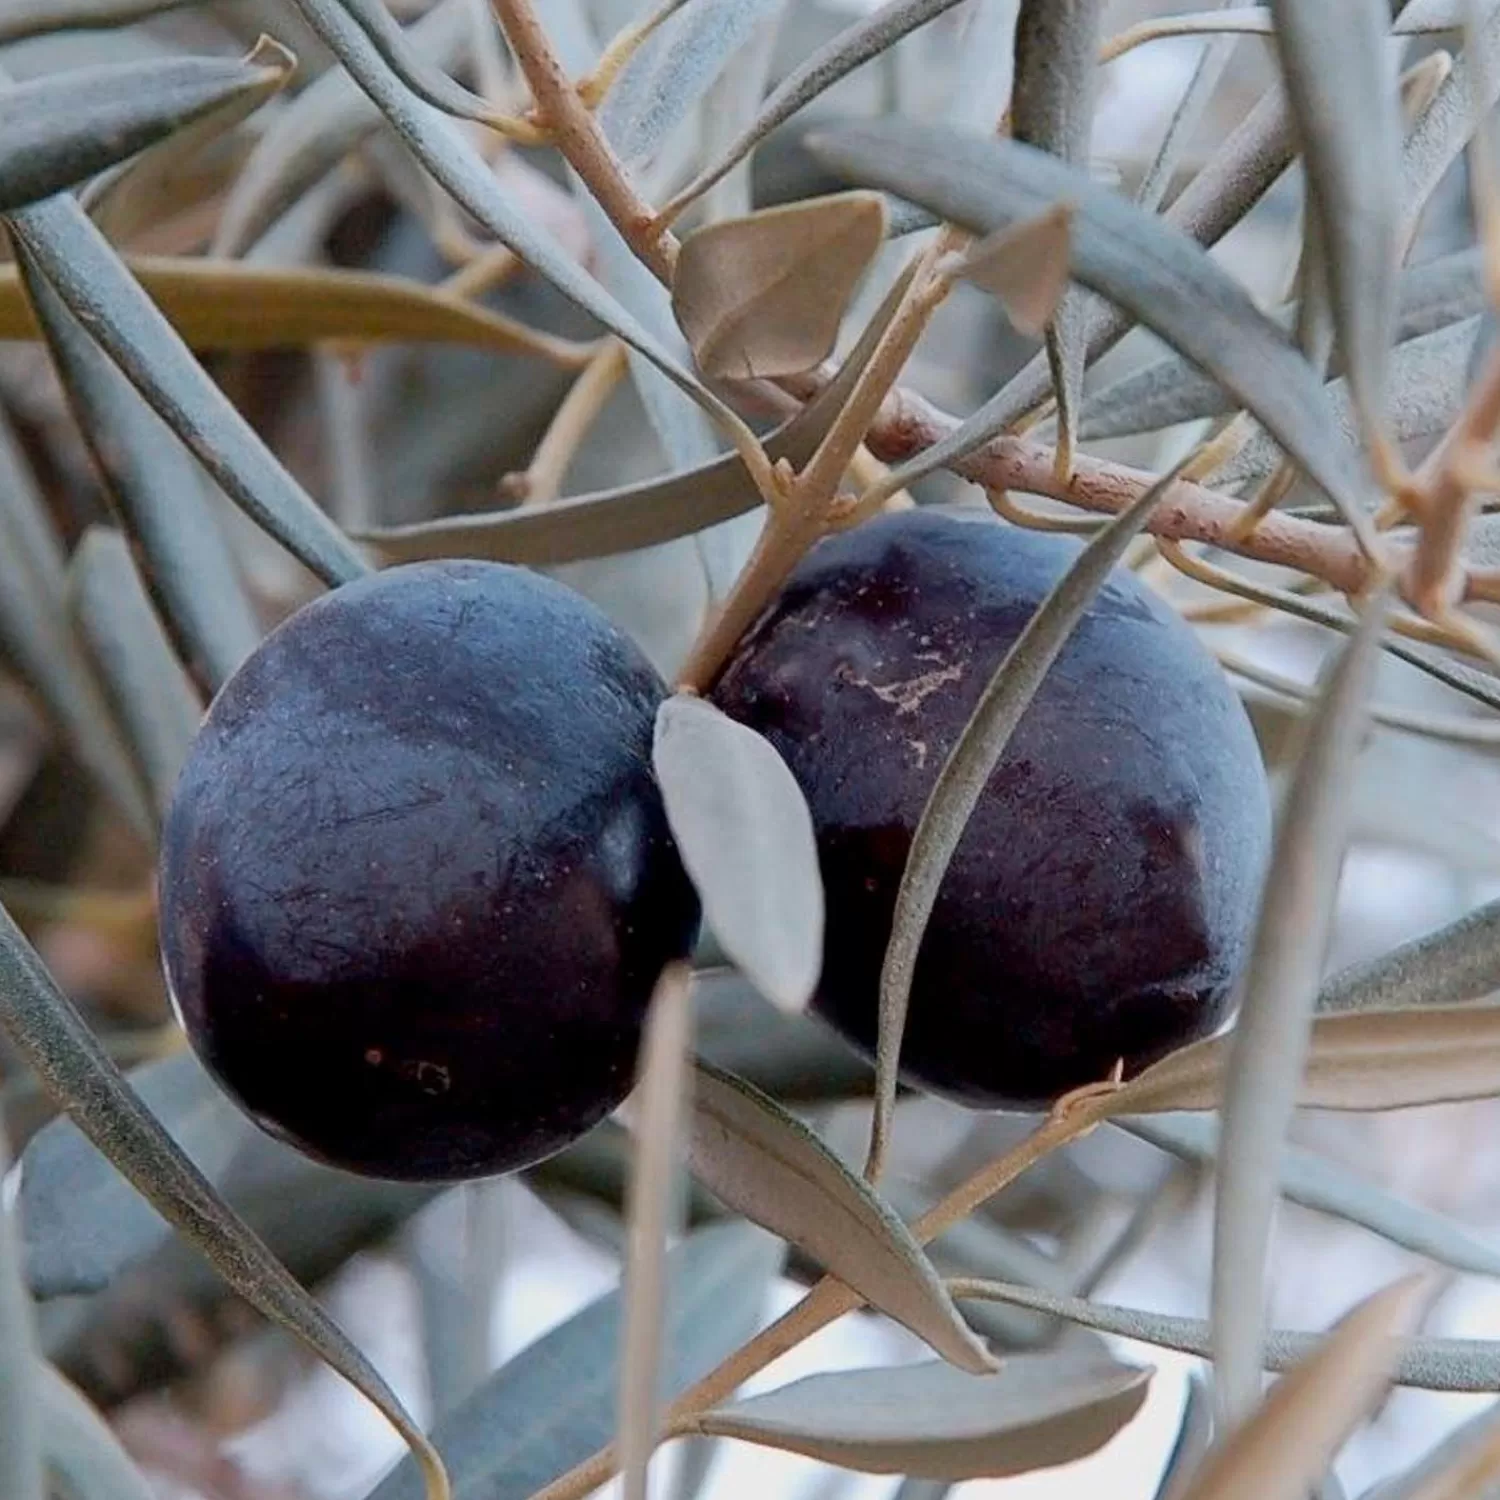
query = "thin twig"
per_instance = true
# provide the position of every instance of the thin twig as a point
(1072, 1117)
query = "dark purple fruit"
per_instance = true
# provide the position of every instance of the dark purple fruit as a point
(416, 880)
(1100, 903)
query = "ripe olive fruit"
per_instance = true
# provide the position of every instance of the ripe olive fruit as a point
(1099, 906)
(416, 881)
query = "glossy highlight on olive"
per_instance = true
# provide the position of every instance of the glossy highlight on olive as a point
(416, 882)
(1099, 907)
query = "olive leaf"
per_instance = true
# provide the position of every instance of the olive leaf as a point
(1434, 295)
(146, 685)
(935, 1422)
(964, 774)
(1153, 270)
(1360, 1060)
(673, 69)
(317, 129)
(24, 521)
(75, 1069)
(867, 38)
(216, 304)
(465, 175)
(82, 1452)
(1052, 107)
(38, 646)
(662, 1081)
(746, 837)
(20, 1403)
(84, 1224)
(1025, 267)
(1341, 87)
(764, 1163)
(553, 1404)
(1270, 1037)
(60, 128)
(158, 493)
(1283, 1449)
(38, 17)
(638, 515)
(1458, 962)
(1330, 1187)
(765, 295)
(1424, 1363)
(69, 252)
(1195, 1430)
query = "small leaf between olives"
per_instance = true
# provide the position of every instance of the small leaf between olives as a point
(746, 839)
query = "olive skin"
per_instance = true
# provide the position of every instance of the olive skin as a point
(1099, 905)
(416, 881)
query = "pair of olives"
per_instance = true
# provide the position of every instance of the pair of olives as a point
(417, 883)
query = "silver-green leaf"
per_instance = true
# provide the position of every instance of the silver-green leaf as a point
(764, 1163)
(746, 837)
(935, 1422)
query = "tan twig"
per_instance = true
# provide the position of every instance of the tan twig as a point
(542, 478)
(1072, 1117)
(573, 129)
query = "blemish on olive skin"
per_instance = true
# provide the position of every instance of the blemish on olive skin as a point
(1100, 902)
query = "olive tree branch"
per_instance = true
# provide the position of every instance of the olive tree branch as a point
(1072, 1117)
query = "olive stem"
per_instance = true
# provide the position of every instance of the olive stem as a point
(1073, 1116)
(576, 133)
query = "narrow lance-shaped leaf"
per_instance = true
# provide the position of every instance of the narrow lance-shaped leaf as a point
(1052, 107)
(764, 1163)
(1195, 1430)
(765, 295)
(673, 69)
(1270, 1038)
(146, 684)
(935, 1422)
(38, 17)
(73, 1066)
(1364, 1060)
(83, 1222)
(1330, 1187)
(1283, 1450)
(964, 774)
(662, 1080)
(158, 493)
(63, 127)
(553, 1404)
(39, 648)
(70, 253)
(1151, 269)
(20, 1406)
(317, 129)
(464, 174)
(868, 38)
(1424, 1363)
(1337, 68)
(1458, 962)
(427, 81)
(220, 304)
(639, 515)
(746, 837)
(83, 1453)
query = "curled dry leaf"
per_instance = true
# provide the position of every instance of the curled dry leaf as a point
(764, 295)
(764, 1163)
(746, 837)
(935, 1422)
(1025, 266)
